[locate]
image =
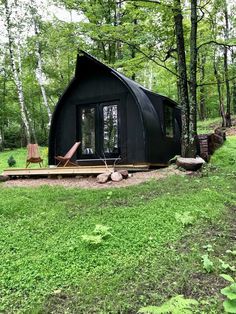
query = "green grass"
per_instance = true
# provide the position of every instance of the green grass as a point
(209, 125)
(20, 156)
(45, 267)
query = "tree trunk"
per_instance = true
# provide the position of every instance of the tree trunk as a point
(187, 149)
(39, 74)
(202, 102)
(177, 83)
(234, 83)
(228, 111)
(16, 75)
(133, 50)
(193, 79)
(234, 97)
(221, 103)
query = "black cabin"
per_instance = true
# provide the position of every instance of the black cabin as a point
(114, 118)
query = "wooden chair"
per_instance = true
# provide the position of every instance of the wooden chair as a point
(66, 160)
(33, 155)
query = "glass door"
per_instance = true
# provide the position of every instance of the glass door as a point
(98, 130)
(88, 131)
(110, 130)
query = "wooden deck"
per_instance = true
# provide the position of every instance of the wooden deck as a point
(68, 171)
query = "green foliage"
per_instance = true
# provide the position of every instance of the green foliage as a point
(11, 161)
(208, 247)
(225, 157)
(226, 266)
(231, 252)
(92, 239)
(99, 234)
(103, 231)
(176, 305)
(207, 263)
(185, 218)
(42, 250)
(20, 156)
(12, 136)
(230, 293)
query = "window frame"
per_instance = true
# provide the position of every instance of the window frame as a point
(172, 119)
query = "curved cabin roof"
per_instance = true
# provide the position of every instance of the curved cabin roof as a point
(149, 118)
(148, 114)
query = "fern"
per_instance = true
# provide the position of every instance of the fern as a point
(99, 233)
(176, 305)
(102, 230)
(91, 239)
(185, 218)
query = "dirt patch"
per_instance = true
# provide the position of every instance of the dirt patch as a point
(90, 182)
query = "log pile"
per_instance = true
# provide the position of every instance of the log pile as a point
(208, 143)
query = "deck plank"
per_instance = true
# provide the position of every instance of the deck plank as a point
(73, 171)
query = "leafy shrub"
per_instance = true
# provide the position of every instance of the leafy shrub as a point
(230, 293)
(11, 161)
(207, 263)
(12, 136)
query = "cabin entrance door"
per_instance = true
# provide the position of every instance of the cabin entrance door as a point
(98, 131)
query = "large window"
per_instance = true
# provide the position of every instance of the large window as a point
(88, 131)
(110, 129)
(168, 121)
(98, 130)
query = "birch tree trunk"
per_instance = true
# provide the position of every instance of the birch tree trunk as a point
(16, 75)
(39, 75)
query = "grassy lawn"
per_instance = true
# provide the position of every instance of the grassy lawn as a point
(208, 126)
(159, 232)
(20, 156)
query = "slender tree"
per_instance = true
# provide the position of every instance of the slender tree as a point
(39, 68)
(226, 70)
(15, 58)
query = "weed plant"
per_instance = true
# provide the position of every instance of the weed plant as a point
(45, 266)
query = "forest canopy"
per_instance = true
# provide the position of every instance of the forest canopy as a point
(185, 50)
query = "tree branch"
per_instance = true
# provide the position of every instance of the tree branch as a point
(143, 53)
(215, 83)
(215, 43)
(147, 1)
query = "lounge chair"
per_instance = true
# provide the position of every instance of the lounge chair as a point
(33, 155)
(66, 160)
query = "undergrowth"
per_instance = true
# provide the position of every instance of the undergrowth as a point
(152, 237)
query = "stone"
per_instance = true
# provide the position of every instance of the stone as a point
(103, 177)
(4, 178)
(124, 174)
(116, 176)
(190, 163)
